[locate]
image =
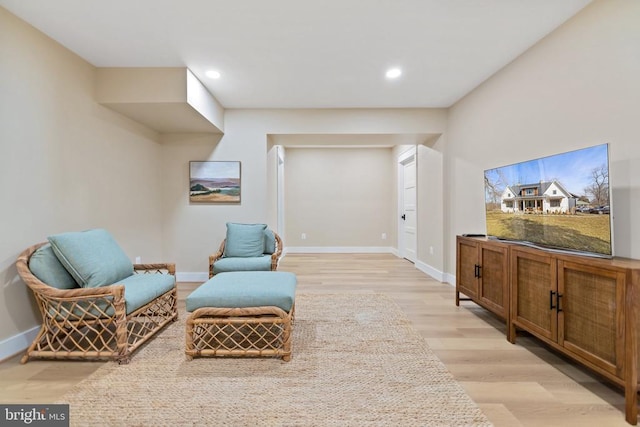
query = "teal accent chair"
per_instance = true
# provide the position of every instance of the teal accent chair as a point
(247, 247)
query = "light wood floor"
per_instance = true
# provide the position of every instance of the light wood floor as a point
(515, 385)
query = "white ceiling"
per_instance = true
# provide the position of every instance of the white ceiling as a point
(303, 54)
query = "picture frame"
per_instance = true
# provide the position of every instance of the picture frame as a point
(217, 182)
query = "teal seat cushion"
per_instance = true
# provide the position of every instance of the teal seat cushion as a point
(261, 263)
(244, 240)
(92, 257)
(246, 289)
(44, 264)
(269, 242)
(140, 289)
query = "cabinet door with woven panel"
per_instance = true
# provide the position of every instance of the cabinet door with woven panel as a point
(533, 292)
(591, 314)
(493, 289)
(466, 268)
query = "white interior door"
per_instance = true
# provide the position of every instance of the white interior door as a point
(408, 207)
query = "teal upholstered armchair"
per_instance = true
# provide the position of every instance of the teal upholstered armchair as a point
(95, 304)
(247, 247)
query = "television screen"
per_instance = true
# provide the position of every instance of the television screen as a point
(558, 202)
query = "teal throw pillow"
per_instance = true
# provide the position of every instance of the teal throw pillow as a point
(44, 264)
(269, 242)
(92, 257)
(244, 240)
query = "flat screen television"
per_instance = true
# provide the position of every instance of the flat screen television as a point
(560, 202)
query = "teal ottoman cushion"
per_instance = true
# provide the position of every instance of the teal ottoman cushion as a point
(261, 263)
(242, 289)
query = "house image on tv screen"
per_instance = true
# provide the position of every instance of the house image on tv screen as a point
(545, 196)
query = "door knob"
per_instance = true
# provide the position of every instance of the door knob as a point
(403, 216)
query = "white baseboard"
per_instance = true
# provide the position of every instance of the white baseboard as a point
(436, 274)
(340, 250)
(17, 343)
(192, 276)
(450, 279)
(427, 269)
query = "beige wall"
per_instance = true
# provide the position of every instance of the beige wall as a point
(192, 232)
(66, 163)
(272, 187)
(430, 208)
(577, 87)
(340, 197)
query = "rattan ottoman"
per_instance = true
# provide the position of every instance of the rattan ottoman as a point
(244, 313)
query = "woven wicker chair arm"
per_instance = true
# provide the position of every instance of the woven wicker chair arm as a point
(170, 268)
(51, 293)
(216, 256)
(39, 287)
(275, 257)
(278, 251)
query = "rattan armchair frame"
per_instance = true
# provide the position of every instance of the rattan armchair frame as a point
(91, 323)
(275, 257)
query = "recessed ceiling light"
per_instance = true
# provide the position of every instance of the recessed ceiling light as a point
(394, 73)
(213, 74)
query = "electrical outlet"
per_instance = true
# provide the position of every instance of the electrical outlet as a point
(138, 260)
(431, 250)
(303, 236)
(384, 236)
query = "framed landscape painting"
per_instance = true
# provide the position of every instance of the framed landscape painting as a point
(214, 182)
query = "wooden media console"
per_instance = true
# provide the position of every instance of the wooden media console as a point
(583, 307)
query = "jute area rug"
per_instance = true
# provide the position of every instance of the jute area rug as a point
(356, 361)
